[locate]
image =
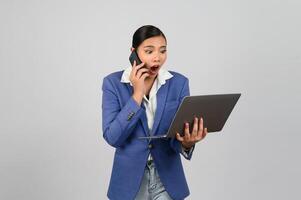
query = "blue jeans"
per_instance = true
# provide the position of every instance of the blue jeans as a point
(151, 187)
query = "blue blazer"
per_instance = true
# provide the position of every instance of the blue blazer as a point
(124, 121)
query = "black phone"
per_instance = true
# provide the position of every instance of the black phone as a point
(134, 56)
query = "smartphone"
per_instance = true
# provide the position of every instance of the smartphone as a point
(134, 56)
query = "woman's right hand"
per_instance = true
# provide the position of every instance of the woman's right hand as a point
(137, 77)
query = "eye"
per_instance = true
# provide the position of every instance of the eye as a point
(163, 51)
(148, 51)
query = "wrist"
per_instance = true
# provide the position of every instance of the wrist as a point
(186, 146)
(138, 98)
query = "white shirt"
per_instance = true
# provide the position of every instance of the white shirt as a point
(151, 103)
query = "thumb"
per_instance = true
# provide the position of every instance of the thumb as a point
(181, 139)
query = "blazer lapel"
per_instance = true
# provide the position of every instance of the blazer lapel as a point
(161, 99)
(143, 118)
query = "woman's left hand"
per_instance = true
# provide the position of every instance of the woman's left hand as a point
(198, 133)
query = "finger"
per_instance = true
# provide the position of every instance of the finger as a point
(144, 75)
(134, 64)
(141, 71)
(201, 125)
(200, 131)
(187, 134)
(137, 67)
(134, 68)
(195, 127)
(178, 136)
(205, 133)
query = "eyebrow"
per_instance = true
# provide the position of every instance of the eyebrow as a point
(150, 46)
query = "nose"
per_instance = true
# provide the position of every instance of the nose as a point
(156, 57)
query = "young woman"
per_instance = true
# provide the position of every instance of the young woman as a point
(141, 101)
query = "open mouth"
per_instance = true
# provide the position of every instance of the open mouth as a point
(154, 69)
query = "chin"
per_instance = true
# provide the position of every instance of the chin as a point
(153, 75)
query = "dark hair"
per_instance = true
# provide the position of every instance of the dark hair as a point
(145, 32)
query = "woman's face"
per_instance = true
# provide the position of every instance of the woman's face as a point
(152, 52)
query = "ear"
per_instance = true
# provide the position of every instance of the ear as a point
(132, 49)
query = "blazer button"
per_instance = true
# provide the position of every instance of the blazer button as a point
(150, 146)
(130, 116)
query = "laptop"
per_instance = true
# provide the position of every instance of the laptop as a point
(214, 109)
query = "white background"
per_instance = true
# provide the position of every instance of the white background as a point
(54, 55)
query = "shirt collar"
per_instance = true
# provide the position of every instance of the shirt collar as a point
(163, 75)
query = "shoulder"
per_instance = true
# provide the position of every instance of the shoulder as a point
(114, 76)
(177, 77)
(112, 80)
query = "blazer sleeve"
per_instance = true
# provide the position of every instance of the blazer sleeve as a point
(174, 143)
(117, 122)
